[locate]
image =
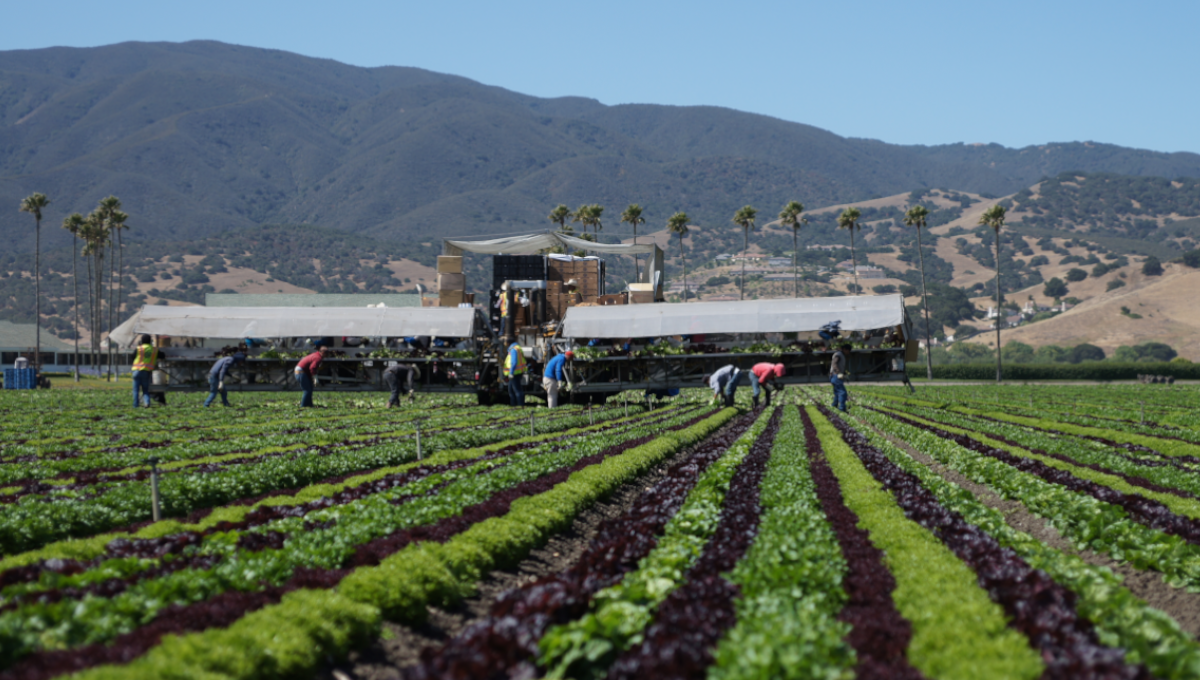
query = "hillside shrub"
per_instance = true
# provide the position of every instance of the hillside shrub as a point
(1192, 259)
(1152, 267)
(1055, 288)
(1113, 285)
(1090, 370)
(1075, 274)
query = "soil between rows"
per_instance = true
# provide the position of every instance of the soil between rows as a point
(1148, 585)
(401, 646)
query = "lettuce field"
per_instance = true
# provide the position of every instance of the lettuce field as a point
(958, 532)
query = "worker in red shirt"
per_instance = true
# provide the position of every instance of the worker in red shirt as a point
(306, 374)
(765, 375)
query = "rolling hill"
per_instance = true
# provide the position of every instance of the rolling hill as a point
(199, 138)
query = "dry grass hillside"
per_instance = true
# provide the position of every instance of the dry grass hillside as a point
(1167, 305)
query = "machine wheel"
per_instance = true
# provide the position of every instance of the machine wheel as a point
(484, 398)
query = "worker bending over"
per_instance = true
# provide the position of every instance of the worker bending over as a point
(398, 375)
(837, 376)
(514, 372)
(724, 383)
(554, 376)
(143, 368)
(216, 378)
(306, 374)
(763, 376)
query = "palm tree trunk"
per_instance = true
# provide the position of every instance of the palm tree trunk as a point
(925, 305)
(853, 260)
(745, 247)
(998, 314)
(120, 284)
(37, 291)
(112, 268)
(75, 296)
(636, 270)
(683, 260)
(91, 324)
(795, 268)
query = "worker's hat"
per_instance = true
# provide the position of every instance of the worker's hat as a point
(570, 355)
(572, 282)
(238, 357)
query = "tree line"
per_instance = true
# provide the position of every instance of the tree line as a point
(103, 253)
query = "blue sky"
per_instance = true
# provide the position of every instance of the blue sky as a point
(1017, 73)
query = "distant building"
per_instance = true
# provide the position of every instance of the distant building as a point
(779, 262)
(19, 339)
(723, 257)
(820, 247)
(871, 273)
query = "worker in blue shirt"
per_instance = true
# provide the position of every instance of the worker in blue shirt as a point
(216, 378)
(554, 376)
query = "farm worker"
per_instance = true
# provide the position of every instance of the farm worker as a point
(503, 303)
(724, 383)
(216, 378)
(306, 374)
(514, 372)
(554, 376)
(837, 374)
(143, 368)
(830, 331)
(765, 374)
(401, 374)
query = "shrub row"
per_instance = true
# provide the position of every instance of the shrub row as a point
(1090, 370)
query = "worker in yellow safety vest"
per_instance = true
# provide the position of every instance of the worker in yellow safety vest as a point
(143, 367)
(514, 372)
(503, 303)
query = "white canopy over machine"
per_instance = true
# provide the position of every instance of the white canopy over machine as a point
(856, 313)
(295, 322)
(532, 243)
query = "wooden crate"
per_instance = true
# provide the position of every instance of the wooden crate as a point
(449, 264)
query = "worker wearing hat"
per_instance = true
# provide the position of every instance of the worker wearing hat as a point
(144, 364)
(554, 376)
(401, 376)
(503, 303)
(217, 375)
(763, 378)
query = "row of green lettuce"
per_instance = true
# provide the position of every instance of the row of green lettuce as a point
(31, 523)
(292, 638)
(1148, 635)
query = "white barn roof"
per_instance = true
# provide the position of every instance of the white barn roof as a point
(296, 322)
(857, 313)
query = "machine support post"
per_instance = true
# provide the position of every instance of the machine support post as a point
(531, 431)
(155, 506)
(418, 440)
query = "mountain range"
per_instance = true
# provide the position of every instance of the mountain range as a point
(201, 138)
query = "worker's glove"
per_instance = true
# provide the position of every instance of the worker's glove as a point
(570, 385)
(841, 376)
(221, 385)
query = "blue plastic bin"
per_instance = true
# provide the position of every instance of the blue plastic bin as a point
(20, 378)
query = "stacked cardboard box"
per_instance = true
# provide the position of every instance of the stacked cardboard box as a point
(588, 273)
(451, 283)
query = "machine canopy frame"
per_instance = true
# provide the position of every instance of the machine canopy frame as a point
(856, 313)
(296, 322)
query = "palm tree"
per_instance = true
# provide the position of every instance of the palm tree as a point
(994, 217)
(916, 217)
(790, 217)
(633, 215)
(34, 203)
(594, 212)
(849, 220)
(677, 224)
(73, 224)
(559, 216)
(744, 218)
(110, 212)
(95, 237)
(583, 215)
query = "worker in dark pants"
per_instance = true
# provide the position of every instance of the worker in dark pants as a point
(724, 384)
(763, 378)
(401, 376)
(837, 376)
(514, 372)
(143, 369)
(216, 378)
(306, 374)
